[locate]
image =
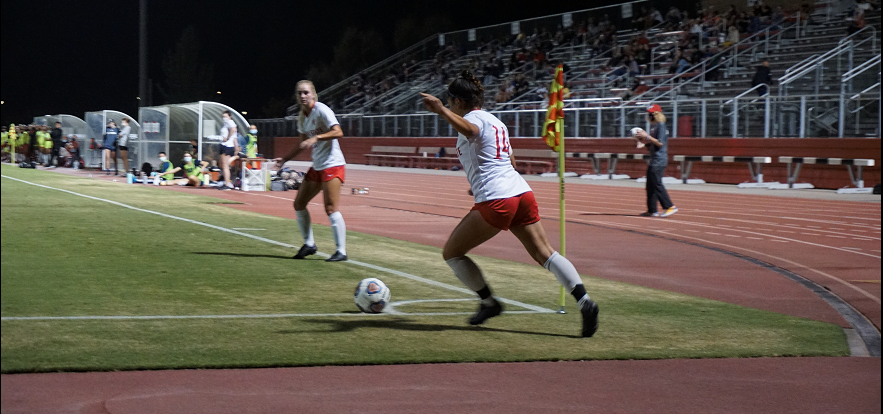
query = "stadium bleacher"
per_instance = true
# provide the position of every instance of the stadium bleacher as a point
(699, 95)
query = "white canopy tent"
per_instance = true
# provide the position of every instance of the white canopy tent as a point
(169, 128)
(97, 121)
(70, 125)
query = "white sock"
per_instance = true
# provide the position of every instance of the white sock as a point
(468, 272)
(306, 229)
(563, 271)
(338, 229)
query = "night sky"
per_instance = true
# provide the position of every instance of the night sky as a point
(72, 57)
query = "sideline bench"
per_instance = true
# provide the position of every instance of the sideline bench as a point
(755, 168)
(390, 156)
(430, 160)
(545, 164)
(612, 160)
(794, 164)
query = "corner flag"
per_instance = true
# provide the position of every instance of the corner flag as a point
(553, 134)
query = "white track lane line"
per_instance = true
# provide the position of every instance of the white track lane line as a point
(701, 225)
(774, 237)
(753, 252)
(554, 208)
(438, 189)
(278, 243)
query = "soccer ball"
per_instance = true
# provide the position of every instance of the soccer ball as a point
(371, 295)
(636, 130)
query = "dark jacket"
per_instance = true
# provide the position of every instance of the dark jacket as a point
(56, 137)
(762, 76)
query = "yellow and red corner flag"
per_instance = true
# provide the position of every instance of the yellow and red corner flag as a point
(554, 125)
(553, 134)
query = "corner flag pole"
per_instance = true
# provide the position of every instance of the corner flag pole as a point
(553, 134)
(562, 220)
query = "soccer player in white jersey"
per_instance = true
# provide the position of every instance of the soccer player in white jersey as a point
(503, 201)
(319, 130)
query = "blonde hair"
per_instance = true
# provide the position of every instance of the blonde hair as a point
(300, 114)
(658, 117)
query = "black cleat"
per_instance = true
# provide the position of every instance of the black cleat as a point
(304, 252)
(590, 319)
(647, 214)
(486, 312)
(336, 257)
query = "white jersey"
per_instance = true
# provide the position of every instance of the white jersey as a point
(485, 159)
(229, 125)
(326, 153)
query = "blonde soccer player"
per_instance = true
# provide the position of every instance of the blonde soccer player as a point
(319, 130)
(503, 201)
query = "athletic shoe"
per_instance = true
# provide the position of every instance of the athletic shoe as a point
(486, 312)
(647, 214)
(337, 257)
(669, 211)
(305, 251)
(225, 188)
(590, 319)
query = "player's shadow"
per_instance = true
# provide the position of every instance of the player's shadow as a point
(336, 325)
(267, 256)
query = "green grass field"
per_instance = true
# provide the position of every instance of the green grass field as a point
(64, 256)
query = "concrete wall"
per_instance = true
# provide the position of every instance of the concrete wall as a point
(822, 176)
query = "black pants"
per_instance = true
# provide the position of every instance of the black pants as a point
(53, 156)
(655, 190)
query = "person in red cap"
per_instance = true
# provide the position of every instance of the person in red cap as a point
(656, 142)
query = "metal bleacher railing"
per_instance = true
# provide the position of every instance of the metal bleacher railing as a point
(807, 100)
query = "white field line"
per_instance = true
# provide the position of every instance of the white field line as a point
(278, 243)
(245, 316)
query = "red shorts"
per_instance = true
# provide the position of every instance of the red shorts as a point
(327, 174)
(504, 213)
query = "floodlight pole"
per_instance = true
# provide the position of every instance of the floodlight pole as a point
(142, 55)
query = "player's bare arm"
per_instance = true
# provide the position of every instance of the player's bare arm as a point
(293, 153)
(334, 133)
(459, 124)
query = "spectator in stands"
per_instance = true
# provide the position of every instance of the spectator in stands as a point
(777, 18)
(856, 23)
(656, 141)
(733, 37)
(754, 23)
(642, 57)
(762, 77)
(639, 88)
(656, 16)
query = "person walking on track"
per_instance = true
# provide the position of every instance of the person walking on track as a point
(503, 201)
(656, 142)
(319, 130)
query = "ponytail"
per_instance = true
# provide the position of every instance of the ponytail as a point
(468, 89)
